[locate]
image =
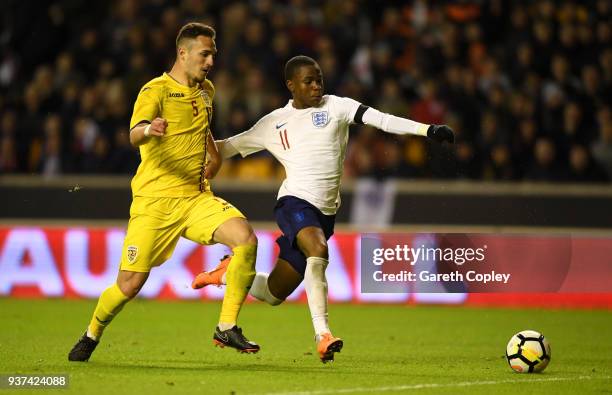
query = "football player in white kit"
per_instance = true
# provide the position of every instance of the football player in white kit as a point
(309, 138)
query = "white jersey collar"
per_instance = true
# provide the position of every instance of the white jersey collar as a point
(289, 105)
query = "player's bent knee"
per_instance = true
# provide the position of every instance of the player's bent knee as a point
(244, 240)
(249, 238)
(313, 245)
(237, 234)
(129, 290)
(317, 249)
(130, 283)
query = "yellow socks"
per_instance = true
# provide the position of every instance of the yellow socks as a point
(109, 305)
(239, 277)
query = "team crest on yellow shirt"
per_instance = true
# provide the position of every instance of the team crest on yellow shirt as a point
(132, 253)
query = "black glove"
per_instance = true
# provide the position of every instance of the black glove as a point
(441, 133)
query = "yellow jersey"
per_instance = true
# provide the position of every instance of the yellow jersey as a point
(171, 165)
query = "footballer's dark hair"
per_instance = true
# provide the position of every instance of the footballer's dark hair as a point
(193, 30)
(295, 63)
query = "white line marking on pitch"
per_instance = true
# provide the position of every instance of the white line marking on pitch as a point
(434, 385)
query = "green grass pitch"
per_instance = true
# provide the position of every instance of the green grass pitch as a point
(156, 347)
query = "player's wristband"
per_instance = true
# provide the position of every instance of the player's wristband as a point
(146, 131)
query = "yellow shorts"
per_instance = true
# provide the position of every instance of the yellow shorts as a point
(156, 224)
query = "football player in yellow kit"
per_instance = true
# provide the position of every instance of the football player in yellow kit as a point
(171, 193)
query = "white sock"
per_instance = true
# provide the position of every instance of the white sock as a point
(91, 336)
(259, 290)
(316, 291)
(226, 325)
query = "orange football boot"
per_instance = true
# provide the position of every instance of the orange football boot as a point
(214, 277)
(327, 345)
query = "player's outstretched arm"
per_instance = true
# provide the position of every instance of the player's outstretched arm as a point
(245, 143)
(142, 133)
(226, 149)
(397, 125)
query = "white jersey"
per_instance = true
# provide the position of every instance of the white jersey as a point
(311, 145)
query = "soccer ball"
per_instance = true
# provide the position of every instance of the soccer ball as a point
(528, 352)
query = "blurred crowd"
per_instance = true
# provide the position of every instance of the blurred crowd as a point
(526, 85)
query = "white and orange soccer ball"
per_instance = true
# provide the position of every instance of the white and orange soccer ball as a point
(528, 352)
